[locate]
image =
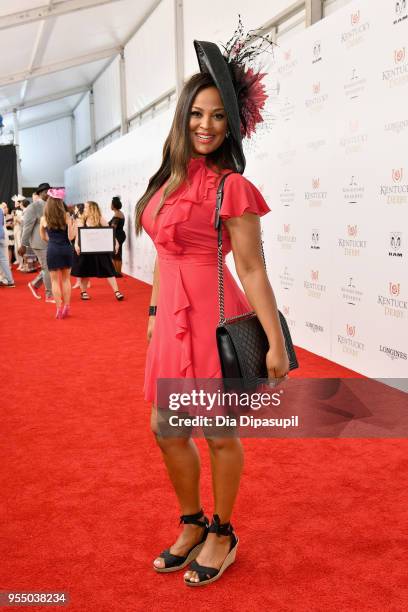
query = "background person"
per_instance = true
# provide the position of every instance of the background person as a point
(118, 222)
(5, 270)
(18, 228)
(91, 265)
(31, 238)
(57, 227)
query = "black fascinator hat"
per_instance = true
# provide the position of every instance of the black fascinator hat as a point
(236, 74)
(211, 60)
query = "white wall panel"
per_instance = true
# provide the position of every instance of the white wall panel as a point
(216, 21)
(107, 100)
(82, 125)
(46, 151)
(150, 63)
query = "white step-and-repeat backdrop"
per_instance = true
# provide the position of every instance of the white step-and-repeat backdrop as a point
(334, 170)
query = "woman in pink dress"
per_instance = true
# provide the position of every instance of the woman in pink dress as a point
(177, 211)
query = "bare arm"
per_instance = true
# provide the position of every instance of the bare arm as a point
(71, 227)
(43, 233)
(245, 237)
(153, 299)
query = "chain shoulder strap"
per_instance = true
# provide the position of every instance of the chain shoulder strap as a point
(220, 259)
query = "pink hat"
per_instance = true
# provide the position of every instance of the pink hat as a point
(57, 192)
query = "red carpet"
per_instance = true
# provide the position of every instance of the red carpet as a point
(323, 523)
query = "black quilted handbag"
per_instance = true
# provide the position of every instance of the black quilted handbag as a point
(241, 340)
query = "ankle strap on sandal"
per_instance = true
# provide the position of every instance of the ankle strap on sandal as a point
(193, 519)
(220, 528)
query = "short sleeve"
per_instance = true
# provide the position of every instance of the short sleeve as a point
(241, 196)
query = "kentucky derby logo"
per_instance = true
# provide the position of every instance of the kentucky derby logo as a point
(397, 175)
(315, 183)
(352, 230)
(399, 55)
(350, 330)
(355, 18)
(314, 275)
(394, 288)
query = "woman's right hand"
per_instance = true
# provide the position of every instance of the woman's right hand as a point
(150, 327)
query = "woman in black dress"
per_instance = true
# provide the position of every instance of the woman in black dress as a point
(118, 222)
(57, 228)
(91, 265)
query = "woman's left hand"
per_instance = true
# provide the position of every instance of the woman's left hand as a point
(277, 364)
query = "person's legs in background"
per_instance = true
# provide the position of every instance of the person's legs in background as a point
(66, 291)
(44, 276)
(4, 265)
(56, 291)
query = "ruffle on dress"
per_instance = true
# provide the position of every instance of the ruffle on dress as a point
(201, 180)
(183, 332)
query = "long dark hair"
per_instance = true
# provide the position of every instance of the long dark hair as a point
(55, 214)
(177, 149)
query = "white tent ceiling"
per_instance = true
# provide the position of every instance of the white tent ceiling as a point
(50, 48)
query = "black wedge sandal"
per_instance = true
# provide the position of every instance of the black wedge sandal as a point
(211, 574)
(172, 563)
(119, 296)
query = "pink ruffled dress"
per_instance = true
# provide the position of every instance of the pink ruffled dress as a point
(183, 344)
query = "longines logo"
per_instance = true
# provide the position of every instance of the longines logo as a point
(400, 11)
(318, 100)
(350, 292)
(353, 193)
(287, 195)
(287, 239)
(396, 191)
(355, 35)
(287, 109)
(348, 343)
(395, 249)
(288, 65)
(393, 305)
(397, 126)
(355, 85)
(397, 74)
(315, 240)
(286, 279)
(316, 196)
(317, 52)
(392, 353)
(313, 287)
(352, 245)
(314, 327)
(354, 140)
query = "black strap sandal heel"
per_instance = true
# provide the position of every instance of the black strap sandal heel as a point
(211, 574)
(119, 296)
(85, 295)
(172, 563)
